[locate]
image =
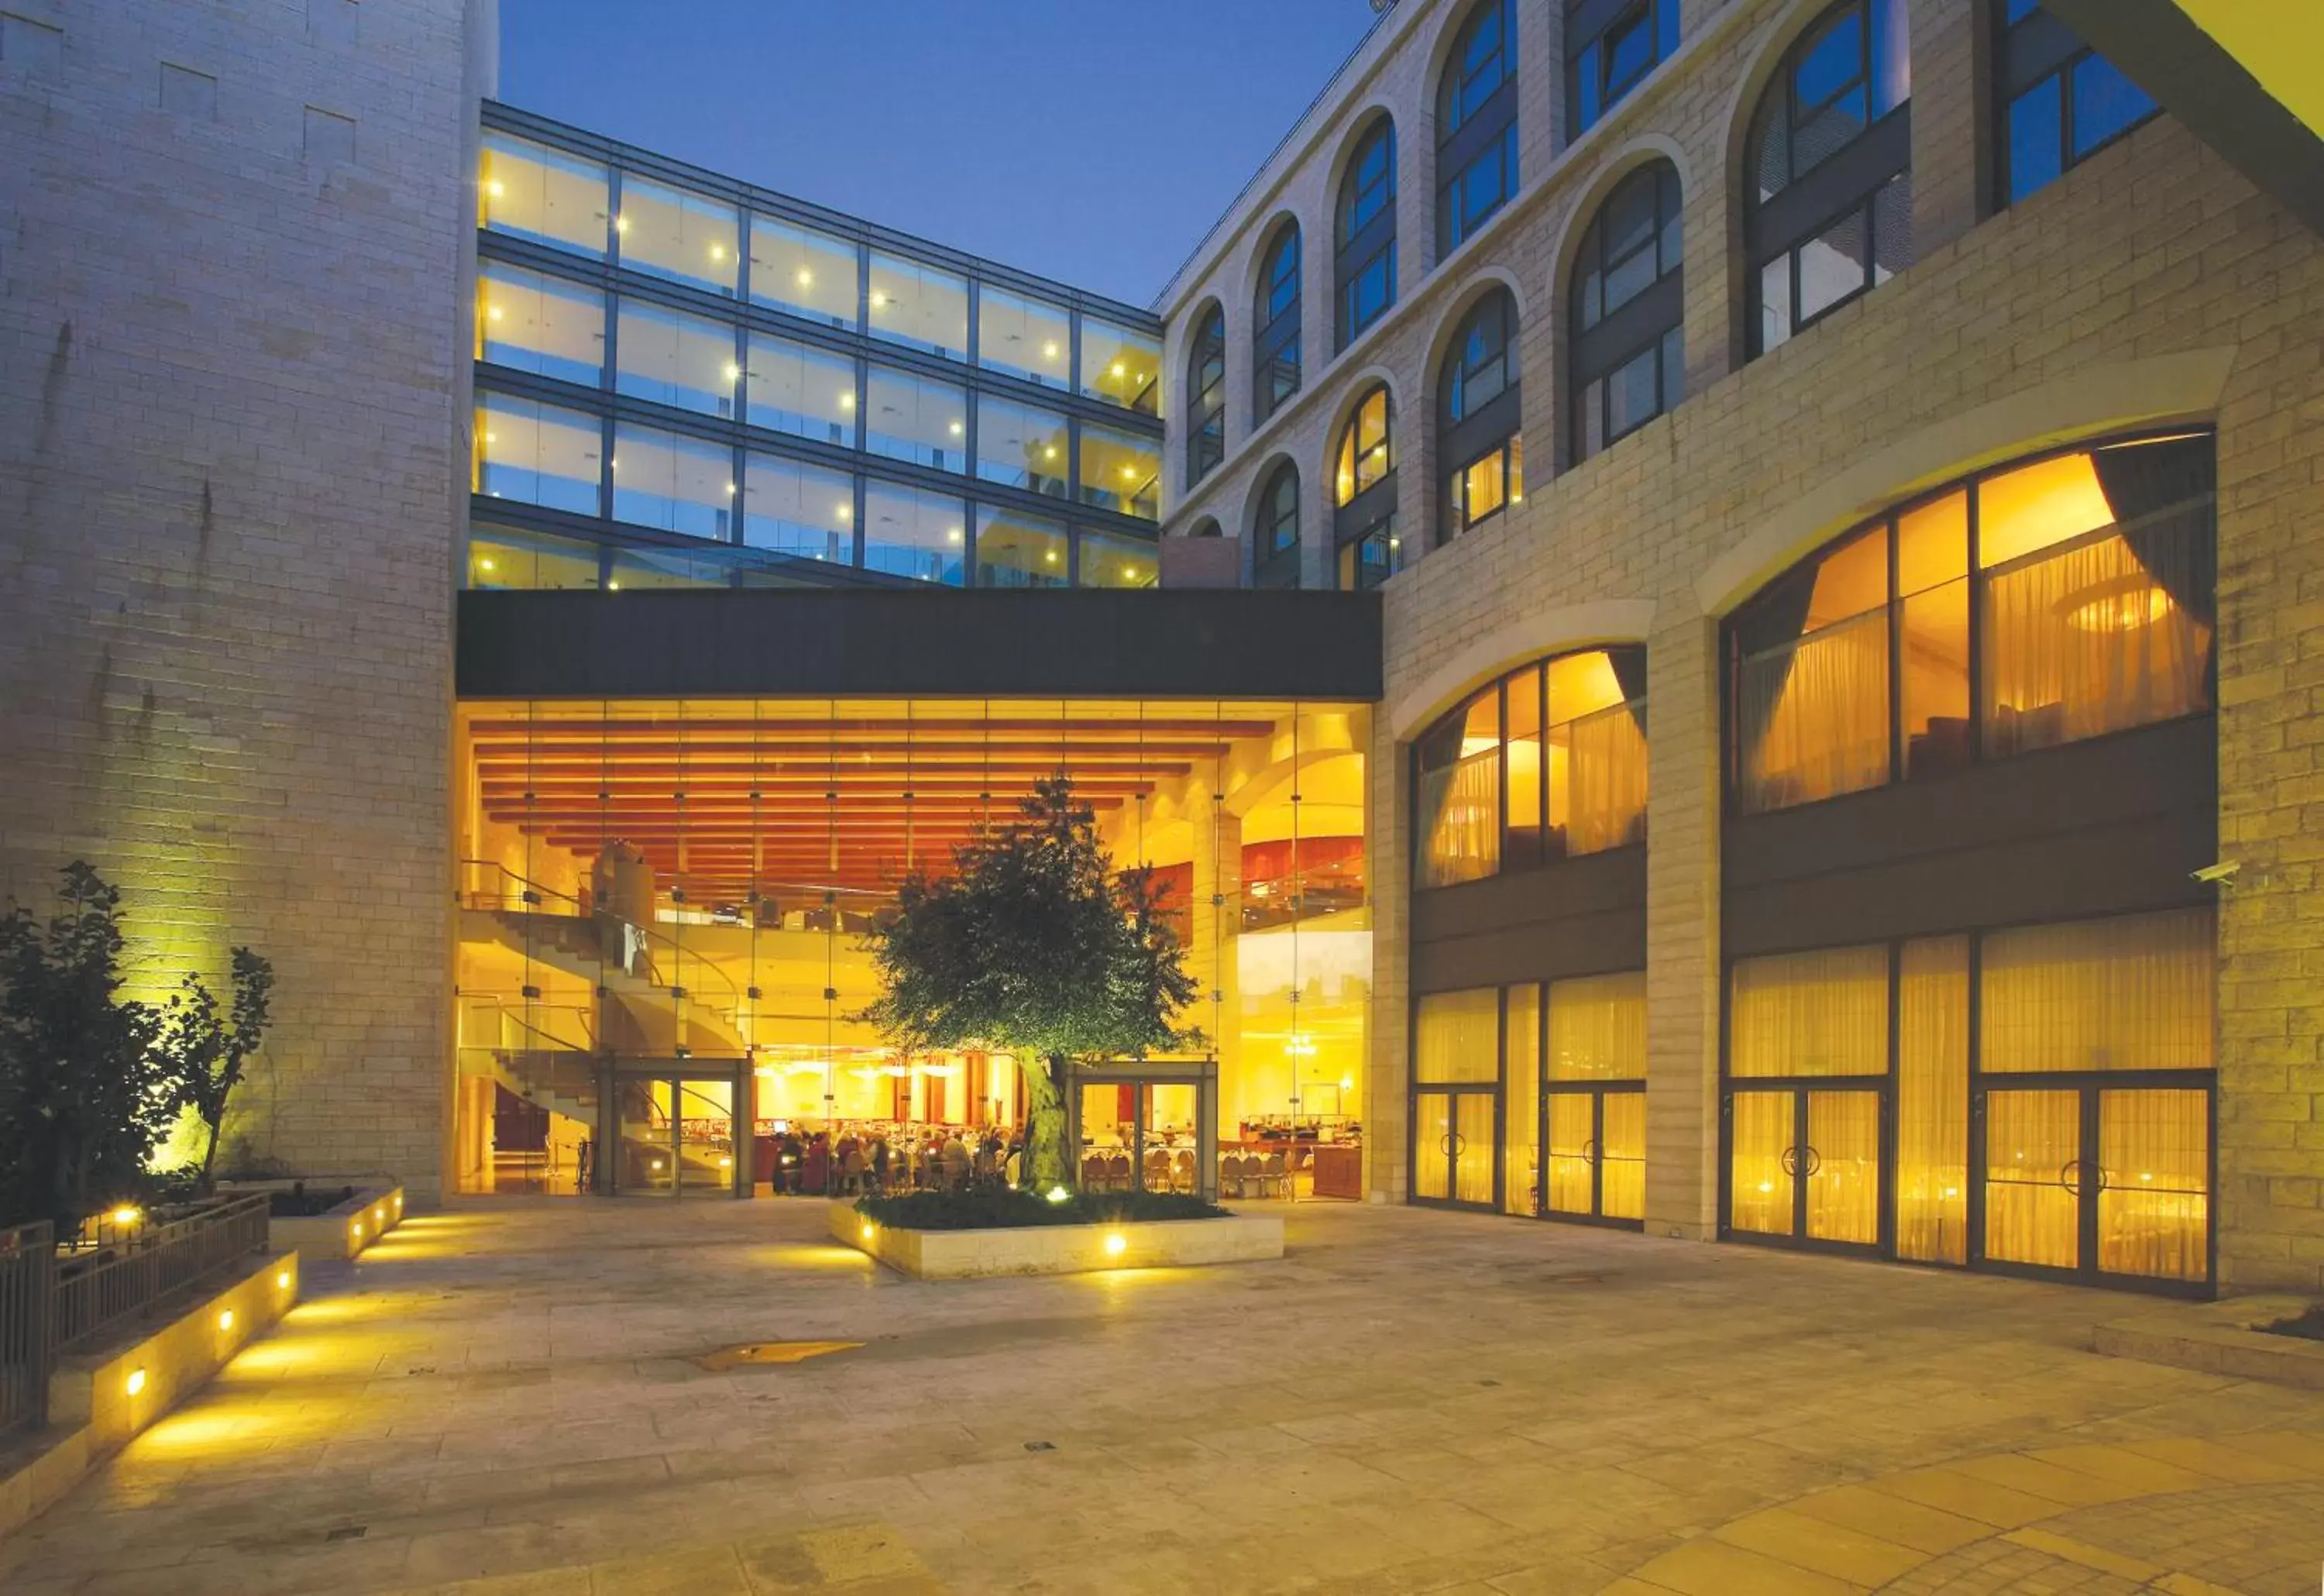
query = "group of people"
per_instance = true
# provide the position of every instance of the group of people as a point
(870, 1161)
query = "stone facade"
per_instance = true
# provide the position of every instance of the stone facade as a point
(2151, 285)
(233, 470)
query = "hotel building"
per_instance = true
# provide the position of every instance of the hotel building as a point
(1710, 606)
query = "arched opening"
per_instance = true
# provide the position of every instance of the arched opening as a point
(1364, 229)
(1480, 411)
(1476, 124)
(1626, 339)
(1275, 354)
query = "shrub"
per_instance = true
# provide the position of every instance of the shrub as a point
(997, 1208)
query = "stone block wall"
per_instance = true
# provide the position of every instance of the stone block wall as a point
(2152, 285)
(232, 463)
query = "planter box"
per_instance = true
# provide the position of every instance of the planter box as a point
(343, 1232)
(2220, 1339)
(1060, 1248)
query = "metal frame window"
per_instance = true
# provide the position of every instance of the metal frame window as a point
(1206, 396)
(1629, 360)
(2057, 101)
(1479, 415)
(1828, 209)
(1364, 261)
(1275, 363)
(1476, 124)
(1363, 493)
(1611, 46)
(1275, 531)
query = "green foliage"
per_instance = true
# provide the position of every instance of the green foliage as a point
(997, 1208)
(1034, 945)
(202, 1057)
(82, 1100)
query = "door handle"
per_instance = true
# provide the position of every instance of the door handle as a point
(1791, 1161)
(1590, 1151)
(1457, 1144)
(2069, 1176)
(1814, 1160)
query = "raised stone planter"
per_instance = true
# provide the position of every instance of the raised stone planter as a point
(1061, 1248)
(343, 1232)
(2218, 1338)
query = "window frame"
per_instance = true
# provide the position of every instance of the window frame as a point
(1364, 246)
(1493, 424)
(1473, 135)
(1273, 559)
(1276, 313)
(2058, 52)
(1597, 349)
(1206, 395)
(1590, 26)
(1364, 515)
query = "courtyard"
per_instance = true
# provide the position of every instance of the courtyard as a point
(526, 1396)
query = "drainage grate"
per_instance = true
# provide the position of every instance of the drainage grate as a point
(347, 1532)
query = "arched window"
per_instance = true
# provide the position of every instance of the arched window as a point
(1363, 495)
(1479, 412)
(1476, 124)
(2060, 102)
(2086, 578)
(1364, 263)
(1830, 212)
(1611, 46)
(1275, 531)
(1629, 359)
(1547, 763)
(1275, 351)
(1206, 396)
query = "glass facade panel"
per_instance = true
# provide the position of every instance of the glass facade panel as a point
(797, 509)
(919, 306)
(668, 357)
(2033, 1151)
(503, 557)
(908, 532)
(801, 390)
(1932, 1102)
(682, 236)
(1458, 819)
(1365, 455)
(1457, 1038)
(1521, 1101)
(536, 454)
(803, 272)
(1025, 337)
(530, 321)
(530, 191)
(2060, 102)
(674, 484)
(1120, 471)
(1021, 447)
(1015, 550)
(917, 418)
(2154, 1196)
(1110, 560)
(1809, 1014)
(1597, 1029)
(1762, 1132)
(1121, 367)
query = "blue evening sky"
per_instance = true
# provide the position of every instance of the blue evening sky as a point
(1090, 141)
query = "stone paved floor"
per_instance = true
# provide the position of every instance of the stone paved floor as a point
(500, 1399)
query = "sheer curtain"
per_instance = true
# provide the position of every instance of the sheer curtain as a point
(1820, 1013)
(1932, 1102)
(1598, 1027)
(2088, 639)
(1607, 786)
(1461, 821)
(1521, 1094)
(1815, 715)
(2131, 994)
(2032, 1214)
(2154, 1207)
(1459, 1036)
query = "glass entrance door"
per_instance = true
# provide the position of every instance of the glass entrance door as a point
(2105, 1180)
(1455, 1148)
(1803, 1164)
(1597, 1142)
(674, 1137)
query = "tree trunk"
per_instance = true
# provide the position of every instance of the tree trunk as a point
(1046, 1163)
(209, 1154)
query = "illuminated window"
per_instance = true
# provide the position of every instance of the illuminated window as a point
(1476, 124)
(503, 557)
(804, 272)
(909, 532)
(1024, 337)
(1120, 471)
(1365, 458)
(1022, 446)
(1206, 397)
(1547, 763)
(800, 510)
(1828, 216)
(530, 321)
(674, 484)
(2087, 578)
(1014, 550)
(529, 190)
(1108, 559)
(1629, 360)
(1363, 495)
(2060, 101)
(668, 357)
(1478, 422)
(1275, 531)
(1121, 367)
(1611, 46)
(1364, 258)
(530, 453)
(916, 419)
(682, 236)
(918, 306)
(1275, 351)
(801, 390)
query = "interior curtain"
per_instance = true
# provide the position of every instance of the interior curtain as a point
(1629, 663)
(1461, 819)
(1598, 1027)
(1521, 1094)
(1775, 617)
(2031, 1213)
(2090, 640)
(1820, 1013)
(1933, 1100)
(1815, 717)
(1458, 1036)
(1607, 786)
(2136, 992)
(2154, 1208)
(2165, 499)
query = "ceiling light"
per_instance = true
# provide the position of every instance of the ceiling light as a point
(1129, 472)
(492, 438)
(493, 313)
(494, 188)
(485, 565)
(847, 401)
(734, 372)
(1050, 453)
(952, 535)
(717, 252)
(621, 224)
(615, 586)
(1048, 351)
(845, 511)
(1051, 556)
(805, 278)
(958, 429)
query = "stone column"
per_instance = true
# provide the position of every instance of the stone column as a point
(1388, 860)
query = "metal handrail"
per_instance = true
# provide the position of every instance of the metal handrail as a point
(27, 1346)
(120, 1283)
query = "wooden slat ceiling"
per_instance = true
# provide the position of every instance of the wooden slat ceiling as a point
(731, 804)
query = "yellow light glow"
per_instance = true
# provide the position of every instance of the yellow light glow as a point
(283, 1278)
(845, 511)
(1130, 474)
(953, 536)
(1049, 351)
(869, 1230)
(734, 372)
(492, 438)
(958, 429)
(485, 565)
(657, 1163)
(380, 1214)
(1347, 1083)
(717, 252)
(136, 1381)
(124, 1216)
(621, 224)
(225, 1318)
(495, 188)
(2135, 606)
(356, 1230)
(1130, 572)
(615, 585)
(493, 313)
(730, 490)
(1116, 1243)
(847, 401)
(1050, 453)
(725, 1162)
(805, 278)
(1058, 1194)
(1121, 370)
(1051, 556)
